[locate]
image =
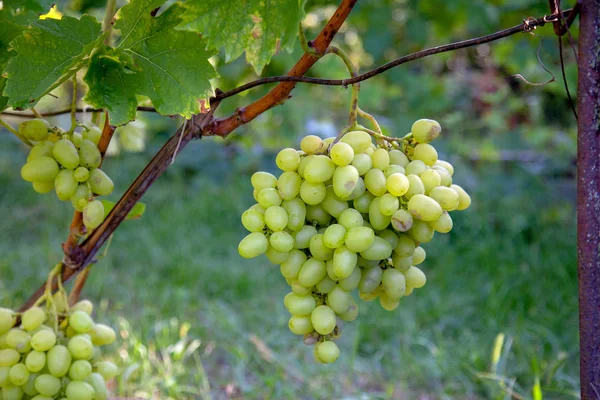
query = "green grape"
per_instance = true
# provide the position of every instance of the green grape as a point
(97, 382)
(388, 204)
(33, 318)
(312, 193)
(344, 262)
(370, 279)
(401, 263)
(263, 180)
(443, 224)
(415, 278)
(421, 231)
(362, 203)
(359, 141)
(9, 357)
(65, 184)
(79, 199)
(402, 220)
(253, 221)
(103, 335)
(81, 174)
(65, 153)
(387, 303)
(80, 370)
(419, 255)
(312, 271)
(318, 249)
(358, 190)
(18, 339)
(311, 144)
(83, 305)
(77, 390)
(362, 163)
(93, 134)
(43, 340)
(281, 241)
(393, 169)
(406, 246)
(11, 392)
(446, 197)
(299, 289)
(415, 167)
(394, 283)
(107, 369)
(300, 325)
(257, 207)
(379, 250)
(445, 178)
(303, 237)
(375, 182)
(332, 204)
(352, 313)
(390, 236)
(446, 165)
(42, 169)
(339, 300)
(35, 129)
(81, 322)
(341, 154)
(359, 238)
(425, 130)
(47, 385)
(431, 179)
(18, 374)
(253, 245)
(319, 169)
(303, 163)
(89, 155)
(43, 187)
(276, 218)
(327, 352)
(334, 236)
(289, 184)
(29, 387)
(40, 150)
(415, 186)
(323, 319)
(381, 159)
(288, 160)
(291, 267)
(350, 218)
(426, 153)
(299, 304)
(464, 200)
(398, 158)
(377, 220)
(296, 211)
(397, 184)
(100, 183)
(93, 214)
(35, 361)
(269, 197)
(76, 138)
(81, 347)
(317, 214)
(424, 208)
(326, 284)
(345, 180)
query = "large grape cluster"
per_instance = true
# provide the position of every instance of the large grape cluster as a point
(69, 165)
(40, 362)
(350, 216)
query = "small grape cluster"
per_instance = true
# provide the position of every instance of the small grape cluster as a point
(350, 215)
(67, 163)
(39, 362)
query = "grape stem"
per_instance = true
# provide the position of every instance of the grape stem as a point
(308, 49)
(15, 132)
(111, 6)
(73, 106)
(371, 119)
(355, 86)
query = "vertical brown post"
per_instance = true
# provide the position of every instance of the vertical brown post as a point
(588, 198)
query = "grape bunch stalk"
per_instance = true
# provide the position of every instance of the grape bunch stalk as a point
(55, 352)
(347, 215)
(68, 163)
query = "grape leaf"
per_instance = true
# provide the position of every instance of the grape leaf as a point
(8, 31)
(110, 86)
(47, 54)
(258, 27)
(172, 65)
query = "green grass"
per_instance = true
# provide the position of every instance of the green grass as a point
(197, 320)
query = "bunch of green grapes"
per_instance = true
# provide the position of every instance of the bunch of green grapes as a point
(39, 362)
(69, 165)
(350, 216)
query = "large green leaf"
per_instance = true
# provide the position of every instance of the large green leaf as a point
(8, 31)
(170, 66)
(48, 53)
(258, 27)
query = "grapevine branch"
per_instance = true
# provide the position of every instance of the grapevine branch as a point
(206, 124)
(527, 26)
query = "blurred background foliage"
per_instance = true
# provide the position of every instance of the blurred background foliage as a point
(498, 317)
